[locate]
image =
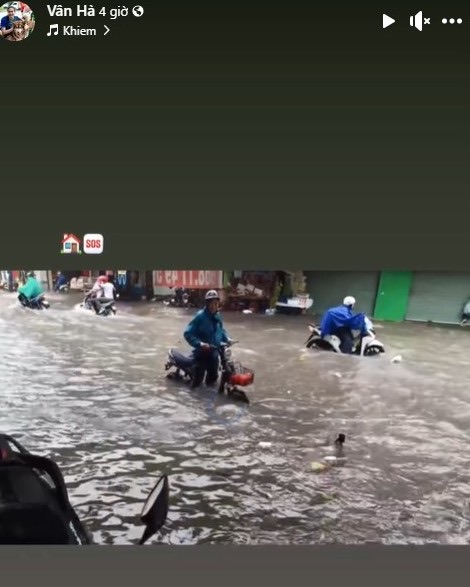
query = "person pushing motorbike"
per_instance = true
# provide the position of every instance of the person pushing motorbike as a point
(31, 289)
(340, 321)
(205, 333)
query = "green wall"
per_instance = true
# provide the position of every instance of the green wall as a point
(393, 295)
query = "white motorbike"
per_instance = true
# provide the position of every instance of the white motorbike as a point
(364, 345)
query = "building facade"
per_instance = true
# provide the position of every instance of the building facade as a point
(420, 296)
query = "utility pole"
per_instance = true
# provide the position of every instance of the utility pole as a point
(49, 280)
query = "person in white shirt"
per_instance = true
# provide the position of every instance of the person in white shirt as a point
(108, 290)
(102, 292)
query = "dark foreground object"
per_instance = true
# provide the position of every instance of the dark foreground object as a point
(35, 506)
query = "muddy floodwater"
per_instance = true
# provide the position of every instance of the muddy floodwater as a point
(91, 392)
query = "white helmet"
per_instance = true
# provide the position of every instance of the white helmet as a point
(349, 301)
(212, 295)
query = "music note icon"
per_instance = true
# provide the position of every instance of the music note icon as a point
(53, 29)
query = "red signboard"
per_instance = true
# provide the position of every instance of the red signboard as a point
(189, 279)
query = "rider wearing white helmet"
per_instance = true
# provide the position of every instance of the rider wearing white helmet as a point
(336, 321)
(205, 333)
(349, 302)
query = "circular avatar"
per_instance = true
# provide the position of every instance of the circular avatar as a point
(16, 21)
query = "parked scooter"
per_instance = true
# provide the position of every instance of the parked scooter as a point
(6, 286)
(367, 345)
(180, 299)
(232, 374)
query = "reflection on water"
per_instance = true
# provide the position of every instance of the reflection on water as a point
(91, 392)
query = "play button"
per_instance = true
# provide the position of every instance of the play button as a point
(387, 21)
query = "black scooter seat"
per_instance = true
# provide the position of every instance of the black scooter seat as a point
(181, 359)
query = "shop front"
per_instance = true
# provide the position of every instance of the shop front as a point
(438, 296)
(252, 290)
(195, 281)
(329, 288)
(420, 296)
(132, 284)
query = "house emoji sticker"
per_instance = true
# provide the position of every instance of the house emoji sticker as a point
(71, 245)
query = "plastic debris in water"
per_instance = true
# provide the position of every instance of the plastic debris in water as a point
(265, 444)
(318, 467)
(247, 312)
(289, 391)
(396, 359)
(338, 375)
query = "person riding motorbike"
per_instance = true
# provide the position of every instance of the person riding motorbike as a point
(465, 313)
(31, 289)
(340, 321)
(60, 281)
(96, 287)
(102, 292)
(205, 333)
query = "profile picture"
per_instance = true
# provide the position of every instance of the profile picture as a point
(16, 21)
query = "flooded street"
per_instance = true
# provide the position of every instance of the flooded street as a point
(91, 392)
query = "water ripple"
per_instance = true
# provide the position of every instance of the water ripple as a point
(92, 394)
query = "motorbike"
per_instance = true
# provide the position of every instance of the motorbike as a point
(35, 507)
(367, 345)
(61, 284)
(181, 299)
(107, 308)
(37, 303)
(6, 286)
(232, 374)
(62, 288)
(465, 314)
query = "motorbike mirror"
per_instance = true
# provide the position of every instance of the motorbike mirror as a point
(155, 510)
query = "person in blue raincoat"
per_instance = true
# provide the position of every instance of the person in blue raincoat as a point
(340, 321)
(60, 281)
(203, 333)
(31, 289)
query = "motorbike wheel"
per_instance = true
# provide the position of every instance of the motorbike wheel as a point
(238, 395)
(372, 351)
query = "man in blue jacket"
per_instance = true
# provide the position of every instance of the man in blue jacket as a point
(203, 333)
(340, 321)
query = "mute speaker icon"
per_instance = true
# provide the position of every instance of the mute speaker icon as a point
(418, 20)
